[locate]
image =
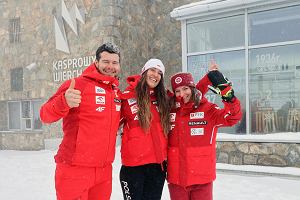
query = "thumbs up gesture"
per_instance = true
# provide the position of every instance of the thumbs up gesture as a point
(73, 96)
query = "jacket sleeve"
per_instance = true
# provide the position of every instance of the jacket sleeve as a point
(228, 116)
(56, 107)
(203, 84)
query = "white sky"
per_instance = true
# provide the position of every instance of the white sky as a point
(30, 176)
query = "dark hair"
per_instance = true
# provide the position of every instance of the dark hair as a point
(109, 47)
(143, 102)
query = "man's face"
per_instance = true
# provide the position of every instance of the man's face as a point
(108, 64)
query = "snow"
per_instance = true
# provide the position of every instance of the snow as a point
(29, 175)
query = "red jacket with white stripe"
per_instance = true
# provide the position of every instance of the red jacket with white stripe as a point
(192, 140)
(89, 130)
(140, 147)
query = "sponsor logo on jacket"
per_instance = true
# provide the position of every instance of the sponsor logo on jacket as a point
(117, 100)
(134, 109)
(100, 109)
(197, 115)
(172, 117)
(197, 131)
(131, 101)
(100, 100)
(99, 90)
(196, 123)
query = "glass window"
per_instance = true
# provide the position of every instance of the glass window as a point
(14, 110)
(36, 105)
(274, 88)
(272, 26)
(16, 79)
(216, 34)
(232, 66)
(24, 115)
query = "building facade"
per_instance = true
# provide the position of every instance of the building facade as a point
(44, 43)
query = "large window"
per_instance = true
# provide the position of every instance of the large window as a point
(24, 115)
(274, 87)
(216, 34)
(232, 66)
(268, 51)
(279, 25)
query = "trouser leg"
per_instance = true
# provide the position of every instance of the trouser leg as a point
(154, 182)
(178, 193)
(202, 192)
(132, 182)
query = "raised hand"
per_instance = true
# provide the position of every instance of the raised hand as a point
(221, 85)
(213, 65)
(73, 96)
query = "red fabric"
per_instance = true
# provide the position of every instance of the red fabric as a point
(84, 183)
(140, 147)
(192, 140)
(182, 79)
(193, 192)
(90, 129)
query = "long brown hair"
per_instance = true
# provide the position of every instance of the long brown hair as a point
(143, 102)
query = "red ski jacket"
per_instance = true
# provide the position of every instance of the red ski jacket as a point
(89, 130)
(192, 140)
(140, 147)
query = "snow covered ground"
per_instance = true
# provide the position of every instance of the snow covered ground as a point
(28, 175)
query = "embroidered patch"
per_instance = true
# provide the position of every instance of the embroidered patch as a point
(197, 115)
(197, 123)
(197, 131)
(118, 107)
(131, 101)
(134, 109)
(100, 109)
(172, 117)
(136, 118)
(117, 100)
(178, 80)
(172, 126)
(99, 90)
(100, 100)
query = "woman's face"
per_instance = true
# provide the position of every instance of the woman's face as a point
(153, 76)
(184, 92)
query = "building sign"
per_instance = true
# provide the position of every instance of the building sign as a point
(70, 68)
(70, 17)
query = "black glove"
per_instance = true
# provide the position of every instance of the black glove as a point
(220, 85)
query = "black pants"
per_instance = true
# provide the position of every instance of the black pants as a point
(143, 182)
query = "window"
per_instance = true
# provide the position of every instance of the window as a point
(279, 25)
(14, 30)
(16, 79)
(216, 34)
(24, 115)
(274, 86)
(232, 66)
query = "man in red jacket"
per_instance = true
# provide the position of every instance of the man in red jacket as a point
(90, 108)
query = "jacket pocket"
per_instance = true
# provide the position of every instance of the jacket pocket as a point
(200, 161)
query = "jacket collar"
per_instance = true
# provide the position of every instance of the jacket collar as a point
(92, 72)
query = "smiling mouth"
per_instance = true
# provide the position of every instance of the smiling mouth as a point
(153, 79)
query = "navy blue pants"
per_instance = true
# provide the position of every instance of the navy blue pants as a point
(143, 182)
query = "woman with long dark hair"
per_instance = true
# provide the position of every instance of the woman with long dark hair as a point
(145, 111)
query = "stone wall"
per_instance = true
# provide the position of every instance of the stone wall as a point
(27, 141)
(256, 153)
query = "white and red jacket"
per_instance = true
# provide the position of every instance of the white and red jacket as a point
(90, 129)
(192, 140)
(140, 147)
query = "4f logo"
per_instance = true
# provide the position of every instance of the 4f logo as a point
(70, 17)
(100, 109)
